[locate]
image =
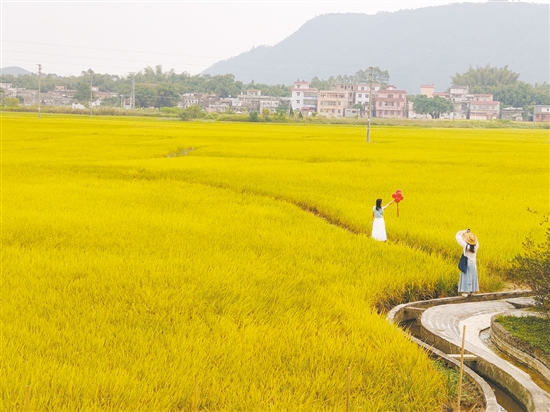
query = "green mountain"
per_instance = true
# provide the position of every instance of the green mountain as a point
(422, 46)
(14, 71)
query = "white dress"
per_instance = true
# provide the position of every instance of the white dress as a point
(378, 225)
(468, 281)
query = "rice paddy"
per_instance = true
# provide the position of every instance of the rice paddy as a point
(157, 265)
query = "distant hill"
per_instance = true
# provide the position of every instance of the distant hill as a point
(422, 46)
(14, 71)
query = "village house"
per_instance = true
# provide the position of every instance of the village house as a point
(332, 103)
(427, 90)
(541, 113)
(189, 99)
(390, 103)
(303, 98)
(512, 113)
(460, 97)
(482, 107)
(362, 94)
(349, 90)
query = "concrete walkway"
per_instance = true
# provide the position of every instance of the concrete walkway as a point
(447, 321)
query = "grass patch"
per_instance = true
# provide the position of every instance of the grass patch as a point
(531, 329)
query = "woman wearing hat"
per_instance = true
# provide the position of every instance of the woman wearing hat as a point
(468, 283)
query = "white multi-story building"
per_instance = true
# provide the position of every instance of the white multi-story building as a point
(304, 98)
(362, 93)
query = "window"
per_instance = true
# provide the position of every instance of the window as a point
(297, 101)
(339, 111)
(297, 93)
(359, 95)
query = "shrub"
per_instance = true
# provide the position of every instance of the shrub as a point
(11, 102)
(533, 267)
(253, 116)
(192, 112)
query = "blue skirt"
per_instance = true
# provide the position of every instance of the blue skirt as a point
(468, 281)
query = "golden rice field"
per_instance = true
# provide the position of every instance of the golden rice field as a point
(157, 265)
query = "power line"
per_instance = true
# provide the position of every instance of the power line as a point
(116, 50)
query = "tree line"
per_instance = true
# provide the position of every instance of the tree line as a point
(153, 86)
(157, 88)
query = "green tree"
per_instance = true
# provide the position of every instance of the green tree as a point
(83, 91)
(380, 76)
(192, 112)
(533, 267)
(482, 77)
(11, 102)
(111, 102)
(434, 106)
(253, 116)
(146, 95)
(282, 109)
(505, 87)
(167, 95)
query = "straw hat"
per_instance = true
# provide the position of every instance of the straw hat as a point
(469, 238)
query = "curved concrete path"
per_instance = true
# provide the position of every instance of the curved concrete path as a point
(446, 322)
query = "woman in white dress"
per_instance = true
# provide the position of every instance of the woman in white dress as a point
(468, 283)
(378, 224)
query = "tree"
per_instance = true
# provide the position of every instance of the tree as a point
(192, 112)
(282, 109)
(265, 113)
(146, 95)
(253, 116)
(434, 106)
(533, 267)
(505, 87)
(11, 102)
(83, 91)
(485, 76)
(380, 76)
(111, 102)
(167, 95)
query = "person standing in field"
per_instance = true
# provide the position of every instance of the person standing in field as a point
(468, 282)
(378, 224)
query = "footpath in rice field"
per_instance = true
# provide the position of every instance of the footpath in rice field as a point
(510, 378)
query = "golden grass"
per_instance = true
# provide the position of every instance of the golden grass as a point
(156, 265)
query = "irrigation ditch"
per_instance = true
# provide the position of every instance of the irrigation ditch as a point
(510, 378)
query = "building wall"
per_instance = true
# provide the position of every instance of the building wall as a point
(390, 103)
(303, 96)
(332, 103)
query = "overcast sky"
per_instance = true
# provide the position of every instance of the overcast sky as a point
(119, 37)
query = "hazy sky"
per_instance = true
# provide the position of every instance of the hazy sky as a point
(119, 37)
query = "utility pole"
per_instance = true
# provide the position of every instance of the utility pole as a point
(39, 76)
(371, 74)
(91, 91)
(133, 100)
